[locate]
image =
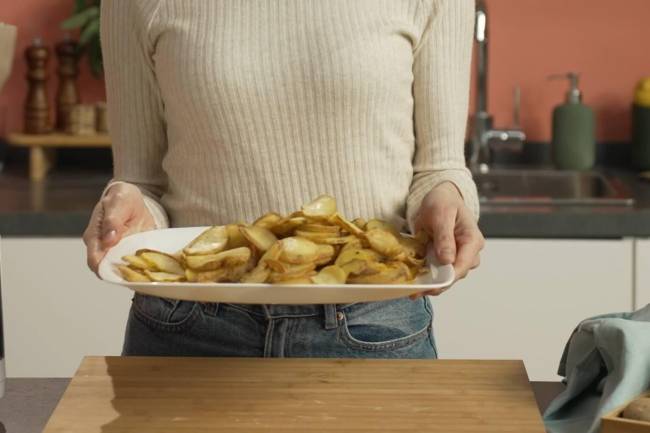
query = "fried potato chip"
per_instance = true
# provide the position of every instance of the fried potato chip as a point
(260, 237)
(315, 245)
(132, 275)
(342, 240)
(206, 276)
(330, 275)
(321, 208)
(366, 255)
(235, 238)
(276, 265)
(355, 244)
(136, 262)
(164, 277)
(159, 261)
(325, 254)
(359, 222)
(325, 238)
(210, 262)
(298, 250)
(384, 242)
(282, 277)
(210, 241)
(258, 274)
(268, 221)
(390, 273)
(287, 226)
(381, 224)
(235, 273)
(354, 267)
(412, 247)
(273, 253)
(346, 225)
(320, 228)
(313, 236)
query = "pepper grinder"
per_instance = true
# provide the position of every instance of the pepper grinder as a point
(37, 110)
(67, 94)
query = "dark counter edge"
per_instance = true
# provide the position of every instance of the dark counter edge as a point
(494, 225)
(49, 224)
(635, 223)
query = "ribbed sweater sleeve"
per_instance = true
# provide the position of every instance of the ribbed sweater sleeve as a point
(135, 108)
(441, 70)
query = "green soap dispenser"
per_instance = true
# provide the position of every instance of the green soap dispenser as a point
(574, 130)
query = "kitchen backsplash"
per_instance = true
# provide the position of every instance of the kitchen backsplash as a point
(38, 18)
(607, 42)
(603, 40)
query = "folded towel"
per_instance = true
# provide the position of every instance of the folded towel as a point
(605, 363)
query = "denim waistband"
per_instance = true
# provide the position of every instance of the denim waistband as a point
(328, 311)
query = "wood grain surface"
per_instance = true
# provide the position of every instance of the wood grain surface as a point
(117, 394)
(59, 140)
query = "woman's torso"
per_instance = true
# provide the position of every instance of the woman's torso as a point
(271, 103)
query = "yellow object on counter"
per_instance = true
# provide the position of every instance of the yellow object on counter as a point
(642, 93)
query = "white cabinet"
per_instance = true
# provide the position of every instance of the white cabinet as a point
(55, 310)
(642, 271)
(522, 303)
(527, 297)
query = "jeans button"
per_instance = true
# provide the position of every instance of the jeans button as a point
(339, 316)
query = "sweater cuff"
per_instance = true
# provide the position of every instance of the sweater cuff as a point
(157, 211)
(423, 183)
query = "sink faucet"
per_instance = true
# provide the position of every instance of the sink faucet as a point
(483, 130)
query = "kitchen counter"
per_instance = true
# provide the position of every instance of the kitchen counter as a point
(60, 206)
(28, 403)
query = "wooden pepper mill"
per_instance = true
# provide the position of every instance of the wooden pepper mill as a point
(67, 94)
(37, 110)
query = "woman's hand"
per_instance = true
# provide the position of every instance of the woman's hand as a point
(119, 213)
(453, 229)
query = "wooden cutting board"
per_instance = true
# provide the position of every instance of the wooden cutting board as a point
(165, 395)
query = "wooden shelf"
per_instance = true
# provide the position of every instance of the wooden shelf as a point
(42, 148)
(59, 140)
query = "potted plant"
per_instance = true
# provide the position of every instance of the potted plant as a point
(85, 17)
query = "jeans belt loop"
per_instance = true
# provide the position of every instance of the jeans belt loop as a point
(331, 321)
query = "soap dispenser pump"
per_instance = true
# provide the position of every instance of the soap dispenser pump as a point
(574, 129)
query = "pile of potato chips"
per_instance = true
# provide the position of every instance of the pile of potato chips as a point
(315, 245)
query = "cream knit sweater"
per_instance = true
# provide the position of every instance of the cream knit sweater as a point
(222, 110)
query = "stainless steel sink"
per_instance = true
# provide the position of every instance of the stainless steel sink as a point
(551, 187)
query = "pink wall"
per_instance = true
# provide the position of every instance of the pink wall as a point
(605, 40)
(38, 18)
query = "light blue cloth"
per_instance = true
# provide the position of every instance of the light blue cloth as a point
(605, 364)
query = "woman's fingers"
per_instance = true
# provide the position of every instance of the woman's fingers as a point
(91, 237)
(439, 222)
(470, 242)
(442, 230)
(117, 214)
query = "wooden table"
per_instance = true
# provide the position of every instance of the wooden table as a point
(42, 148)
(166, 395)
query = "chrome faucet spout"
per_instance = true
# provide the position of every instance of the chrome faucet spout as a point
(483, 131)
(481, 39)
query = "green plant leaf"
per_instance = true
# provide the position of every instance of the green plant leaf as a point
(80, 19)
(89, 32)
(79, 5)
(95, 57)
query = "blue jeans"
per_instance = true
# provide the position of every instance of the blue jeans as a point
(398, 328)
